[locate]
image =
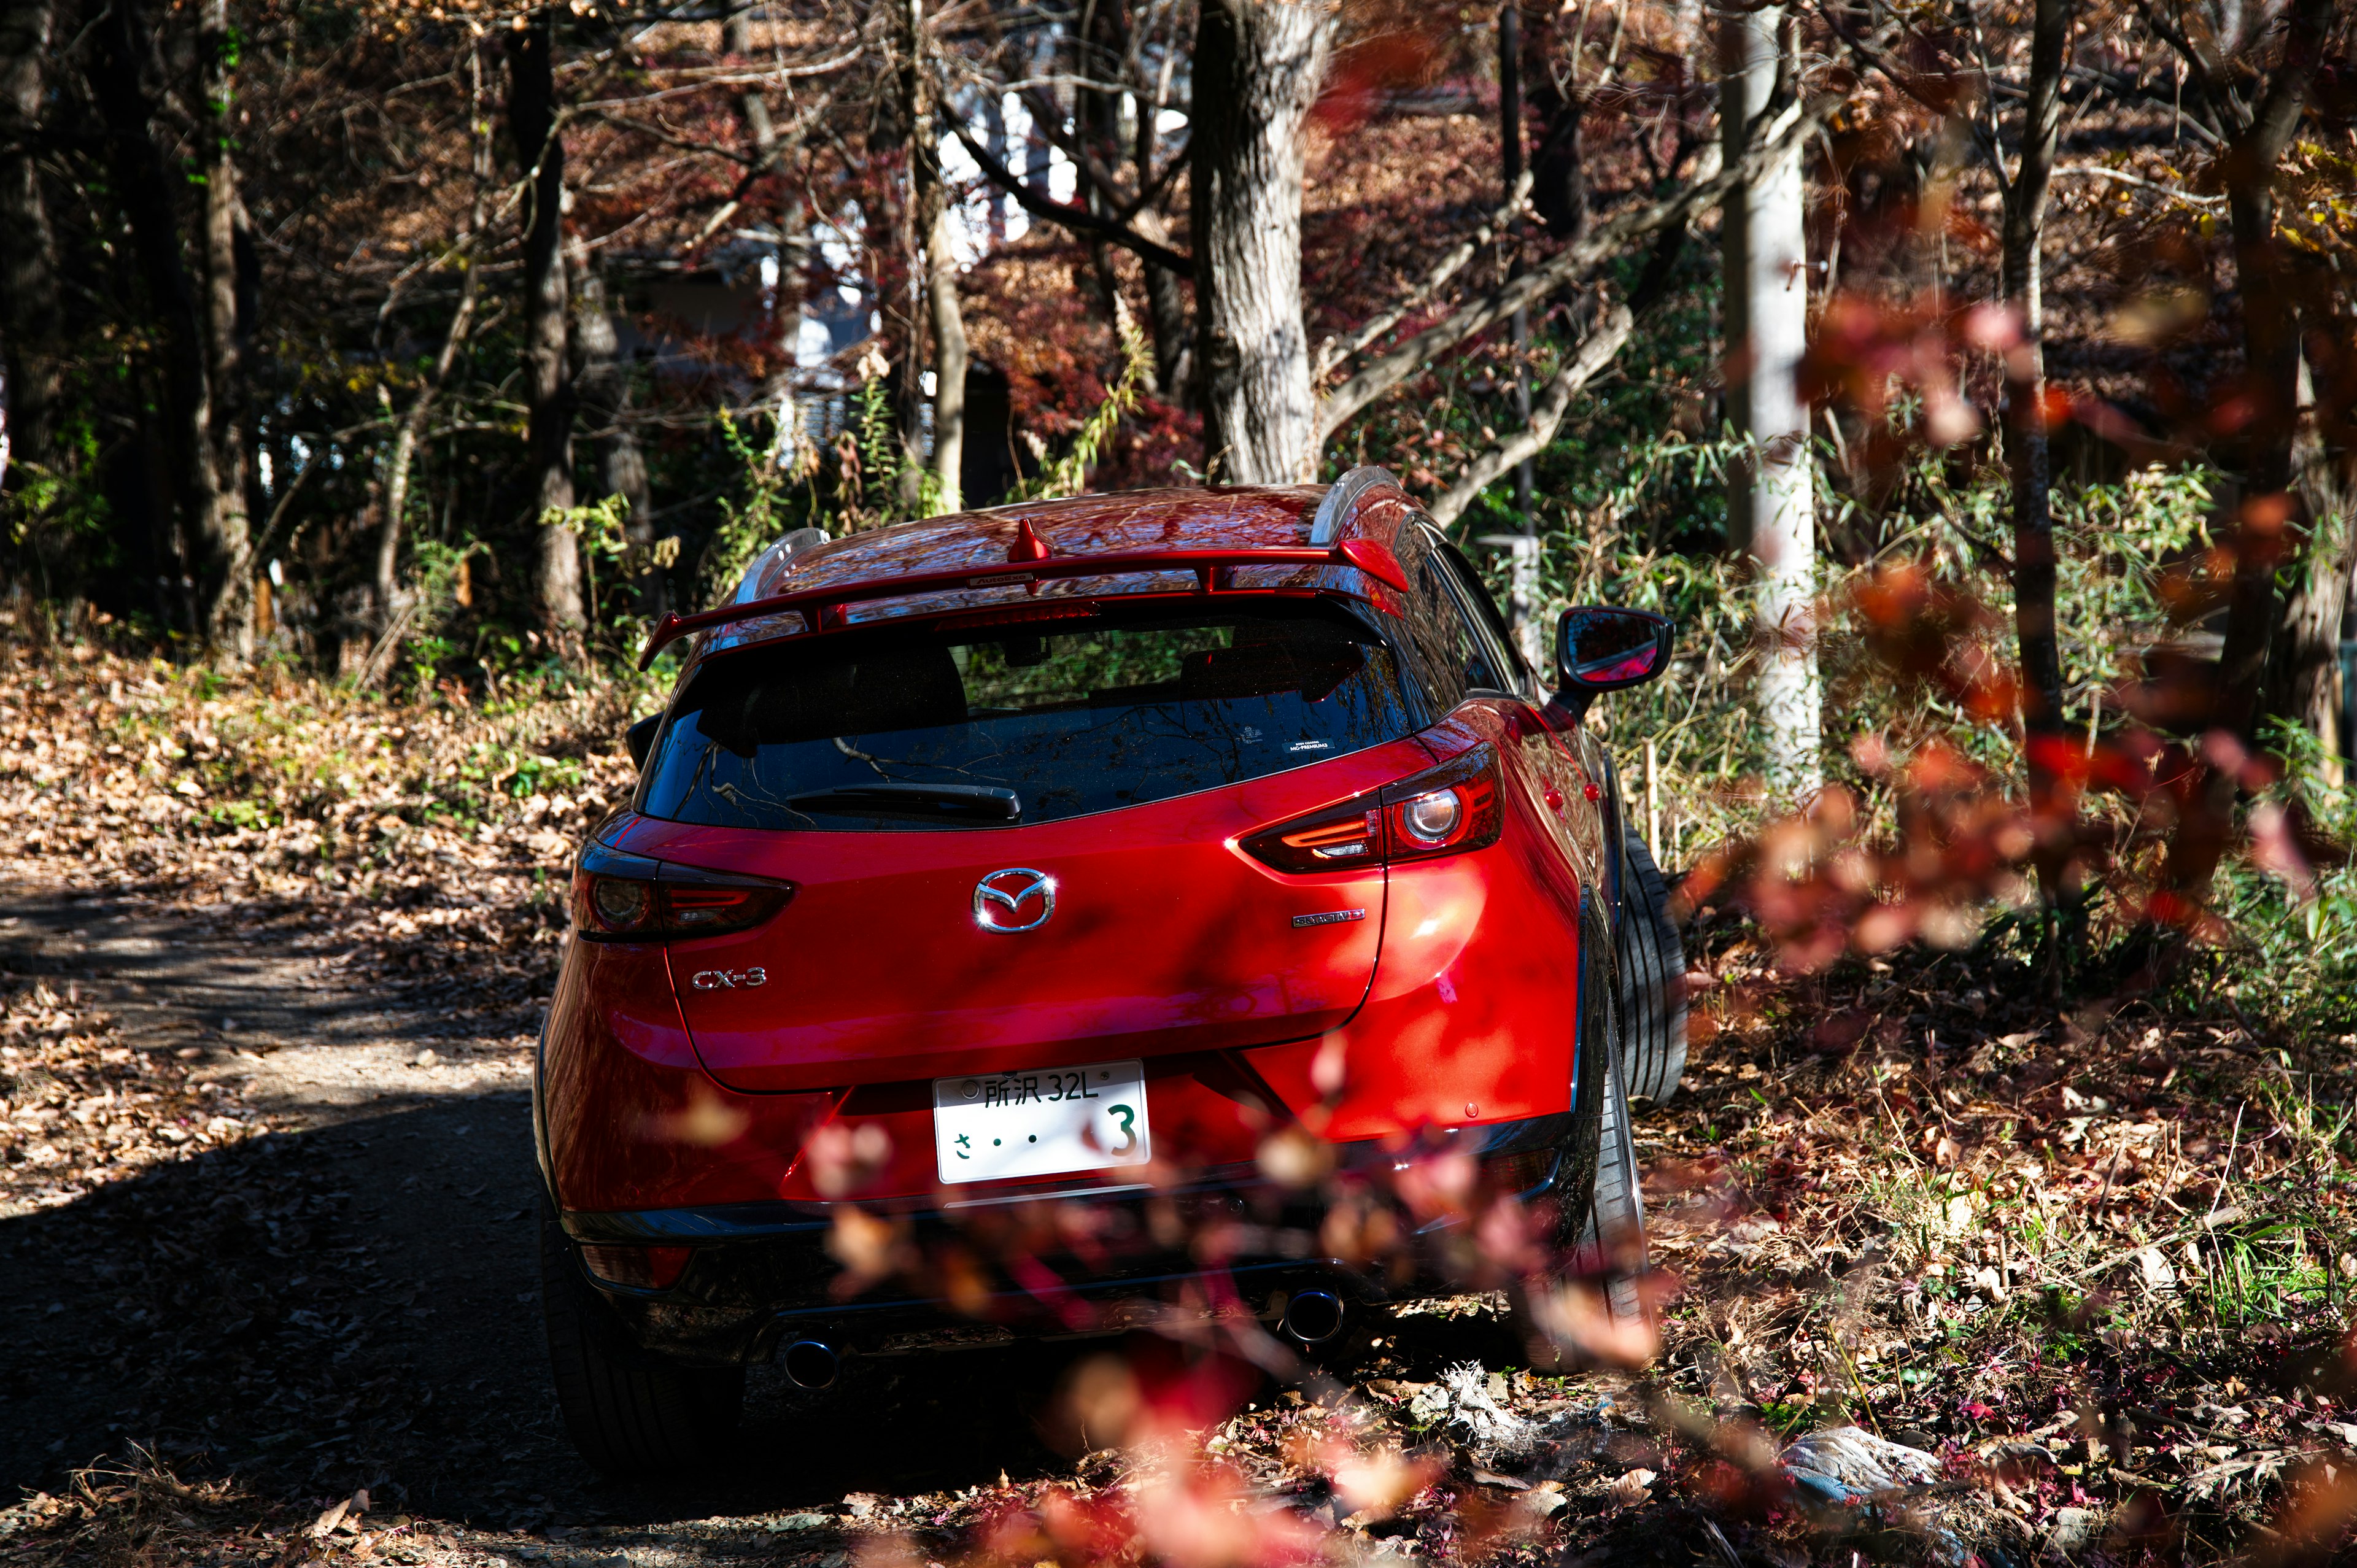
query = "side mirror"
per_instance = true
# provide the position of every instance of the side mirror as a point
(1599, 648)
(640, 738)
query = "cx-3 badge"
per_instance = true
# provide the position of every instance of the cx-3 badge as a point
(1001, 899)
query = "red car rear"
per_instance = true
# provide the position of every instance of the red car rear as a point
(1070, 851)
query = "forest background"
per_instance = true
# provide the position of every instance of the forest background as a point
(376, 373)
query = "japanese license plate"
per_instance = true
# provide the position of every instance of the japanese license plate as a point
(1038, 1121)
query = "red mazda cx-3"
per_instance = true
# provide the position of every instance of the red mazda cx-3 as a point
(1069, 850)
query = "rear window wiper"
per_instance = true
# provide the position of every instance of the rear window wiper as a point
(984, 802)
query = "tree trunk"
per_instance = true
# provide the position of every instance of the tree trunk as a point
(786, 298)
(1257, 68)
(2301, 684)
(2026, 449)
(2271, 360)
(1167, 305)
(1166, 308)
(227, 531)
(145, 190)
(1510, 161)
(1771, 505)
(605, 385)
(28, 245)
(929, 218)
(462, 318)
(532, 118)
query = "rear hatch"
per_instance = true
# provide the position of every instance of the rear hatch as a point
(1013, 846)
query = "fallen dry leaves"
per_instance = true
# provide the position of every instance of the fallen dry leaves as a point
(79, 1106)
(411, 837)
(2094, 1258)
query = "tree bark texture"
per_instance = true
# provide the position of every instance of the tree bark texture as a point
(1510, 159)
(930, 220)
(1258, 67)
(604, 383)
(2307, 658)
(532, 118)
(1167, 307)
(28, 243)
(2028, 454)
(145, 190)
(2271, 359)
(228, 530)
(1770, 503)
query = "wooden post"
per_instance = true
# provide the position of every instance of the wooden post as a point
(1652, 800)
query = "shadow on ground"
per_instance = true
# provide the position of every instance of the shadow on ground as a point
(354, 1301)
(359, 1306)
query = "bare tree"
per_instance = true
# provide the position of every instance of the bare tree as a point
(2301, 674)
(2024, 193)
(1771, 506)
(1257, 68)
(930, 222)
(532, 120)
(2252, 113)
(454, 336)
(29, 248)
(227, 531)
(145, 187)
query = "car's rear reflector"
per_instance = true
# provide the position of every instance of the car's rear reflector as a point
(637, 1268)
(1518, 1172)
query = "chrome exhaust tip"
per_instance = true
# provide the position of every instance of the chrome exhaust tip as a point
(1313, 1316)
(810, 1364)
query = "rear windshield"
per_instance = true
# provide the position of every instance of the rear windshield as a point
(1000, 728)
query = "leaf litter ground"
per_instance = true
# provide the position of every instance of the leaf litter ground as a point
(2093, 1259)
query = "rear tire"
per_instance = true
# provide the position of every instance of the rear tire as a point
(1652, 963)
(631, 1414)
(1613, 1243)
(1602, 1223)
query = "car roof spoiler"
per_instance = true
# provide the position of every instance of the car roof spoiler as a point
(1029, 561)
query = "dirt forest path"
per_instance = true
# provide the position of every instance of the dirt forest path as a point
(351, 1299)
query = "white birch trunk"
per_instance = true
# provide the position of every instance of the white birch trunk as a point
(1771, 505)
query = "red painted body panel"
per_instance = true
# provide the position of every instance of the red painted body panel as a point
(1470, 1018)
(1165, 939)
(632, 1119)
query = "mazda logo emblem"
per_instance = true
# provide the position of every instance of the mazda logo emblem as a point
(1001, 898)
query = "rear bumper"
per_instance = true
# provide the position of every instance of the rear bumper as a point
(1055, 1263)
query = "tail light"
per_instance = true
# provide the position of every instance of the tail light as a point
(640, 1268)
(1446, 809)
(627, 898)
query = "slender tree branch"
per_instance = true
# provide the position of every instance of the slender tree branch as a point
(1079, 219)
(1157, 186)
(1333, 354)
(2124, 177)
(1596, 351)
(1772, 136)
